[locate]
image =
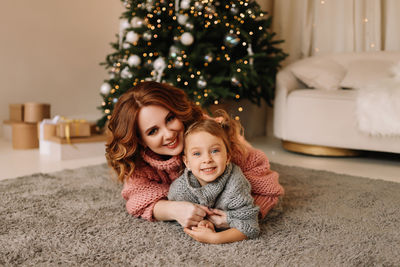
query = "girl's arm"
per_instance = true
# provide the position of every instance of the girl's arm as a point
(206, 235)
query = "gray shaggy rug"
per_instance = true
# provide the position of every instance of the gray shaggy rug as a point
(77, 217)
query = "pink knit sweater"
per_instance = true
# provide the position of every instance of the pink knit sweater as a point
(152, 177)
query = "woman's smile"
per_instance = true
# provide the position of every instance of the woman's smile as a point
(173, 144)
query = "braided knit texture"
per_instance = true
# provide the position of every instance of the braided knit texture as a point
(152, 177)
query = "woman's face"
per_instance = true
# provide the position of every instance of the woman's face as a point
(161, 130)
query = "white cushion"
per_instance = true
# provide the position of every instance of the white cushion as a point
(363, 72)
(318, 73)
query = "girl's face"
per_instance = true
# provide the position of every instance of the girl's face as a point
(206, 156)
(161, 130)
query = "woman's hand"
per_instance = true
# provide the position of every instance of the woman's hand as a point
(218, 218)
(188, 214)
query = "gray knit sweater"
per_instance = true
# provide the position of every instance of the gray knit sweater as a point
(230, 193)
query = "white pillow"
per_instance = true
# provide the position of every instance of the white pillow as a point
(320, 73)
(363, 72)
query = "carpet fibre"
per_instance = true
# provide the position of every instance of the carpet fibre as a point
(78, 217)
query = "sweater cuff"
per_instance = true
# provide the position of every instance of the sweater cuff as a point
(265, 203)
(249, 228)
(148, 212)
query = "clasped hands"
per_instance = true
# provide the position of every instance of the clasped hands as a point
(202, 223)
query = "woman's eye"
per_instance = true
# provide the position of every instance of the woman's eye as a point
(152, 132)
(170, 118)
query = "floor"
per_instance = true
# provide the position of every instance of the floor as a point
(15, 163)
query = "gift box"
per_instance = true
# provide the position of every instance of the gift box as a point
(7, 130)
(73, 128)
(24, 135)
(16, 112)
(79, 147)
(36, 112)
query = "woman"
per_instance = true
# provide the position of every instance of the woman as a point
(147, 127)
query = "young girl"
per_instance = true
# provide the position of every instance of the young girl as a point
(145, 146)
(211, 180)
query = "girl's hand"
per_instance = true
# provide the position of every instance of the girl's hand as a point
(188, 214)
(202, 234)
(206, 224)
(218, 218)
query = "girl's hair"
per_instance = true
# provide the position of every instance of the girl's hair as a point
(224, 127)
(123, 147)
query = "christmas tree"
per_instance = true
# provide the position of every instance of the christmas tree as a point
(214, 50)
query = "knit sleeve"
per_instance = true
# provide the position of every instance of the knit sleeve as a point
(265, 187)
(241, 212)
(141, 194)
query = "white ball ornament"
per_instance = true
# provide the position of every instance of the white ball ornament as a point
(125, 73)
(189, 26)
(201, 83)
(132, 37)
(173, 51)
(182, 19)
(147, 36)
(137, 22)
(105, 88)
(159, 64)
(185, 4)
(124, 24)
(126, 45)
(134, 60)
(187, 38)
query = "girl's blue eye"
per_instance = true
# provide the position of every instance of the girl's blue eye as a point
(196, 154)
(215, 151)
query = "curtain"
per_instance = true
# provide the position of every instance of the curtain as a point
(314, 27)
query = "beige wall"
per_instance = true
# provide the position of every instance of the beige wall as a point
(50, 52)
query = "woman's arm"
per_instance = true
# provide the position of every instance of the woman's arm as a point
(206, 235)
(147, 199)
(185, 213)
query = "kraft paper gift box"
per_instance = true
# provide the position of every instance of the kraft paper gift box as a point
(36, 112)
(16, 112)
(24, 135)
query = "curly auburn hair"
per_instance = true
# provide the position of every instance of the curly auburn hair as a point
(123, 148)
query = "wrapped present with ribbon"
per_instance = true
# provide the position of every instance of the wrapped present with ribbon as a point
(69, 128)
